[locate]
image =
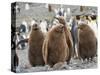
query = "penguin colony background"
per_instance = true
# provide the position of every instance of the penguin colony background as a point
(48, 37)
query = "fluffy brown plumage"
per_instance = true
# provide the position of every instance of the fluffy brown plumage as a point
(87, 42)
(35, 46)
(68, 36)
(55, 48)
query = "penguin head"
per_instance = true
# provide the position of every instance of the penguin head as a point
(35, 27)
(59, 28)
(83, 27)
(61, 20)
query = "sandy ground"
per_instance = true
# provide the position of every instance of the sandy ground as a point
(75, 64)
(39, 12)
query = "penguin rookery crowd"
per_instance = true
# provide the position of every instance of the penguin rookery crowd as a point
(57, 42)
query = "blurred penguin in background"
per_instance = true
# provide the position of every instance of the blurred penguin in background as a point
(23, 27)
(93, 24)
(22, 39)
(81, 8)
(21, 45)
(49, 7)
(74, 32)
(68, 14)
(82, 20)
(22, 35)
(43, 25)
(60, 12)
